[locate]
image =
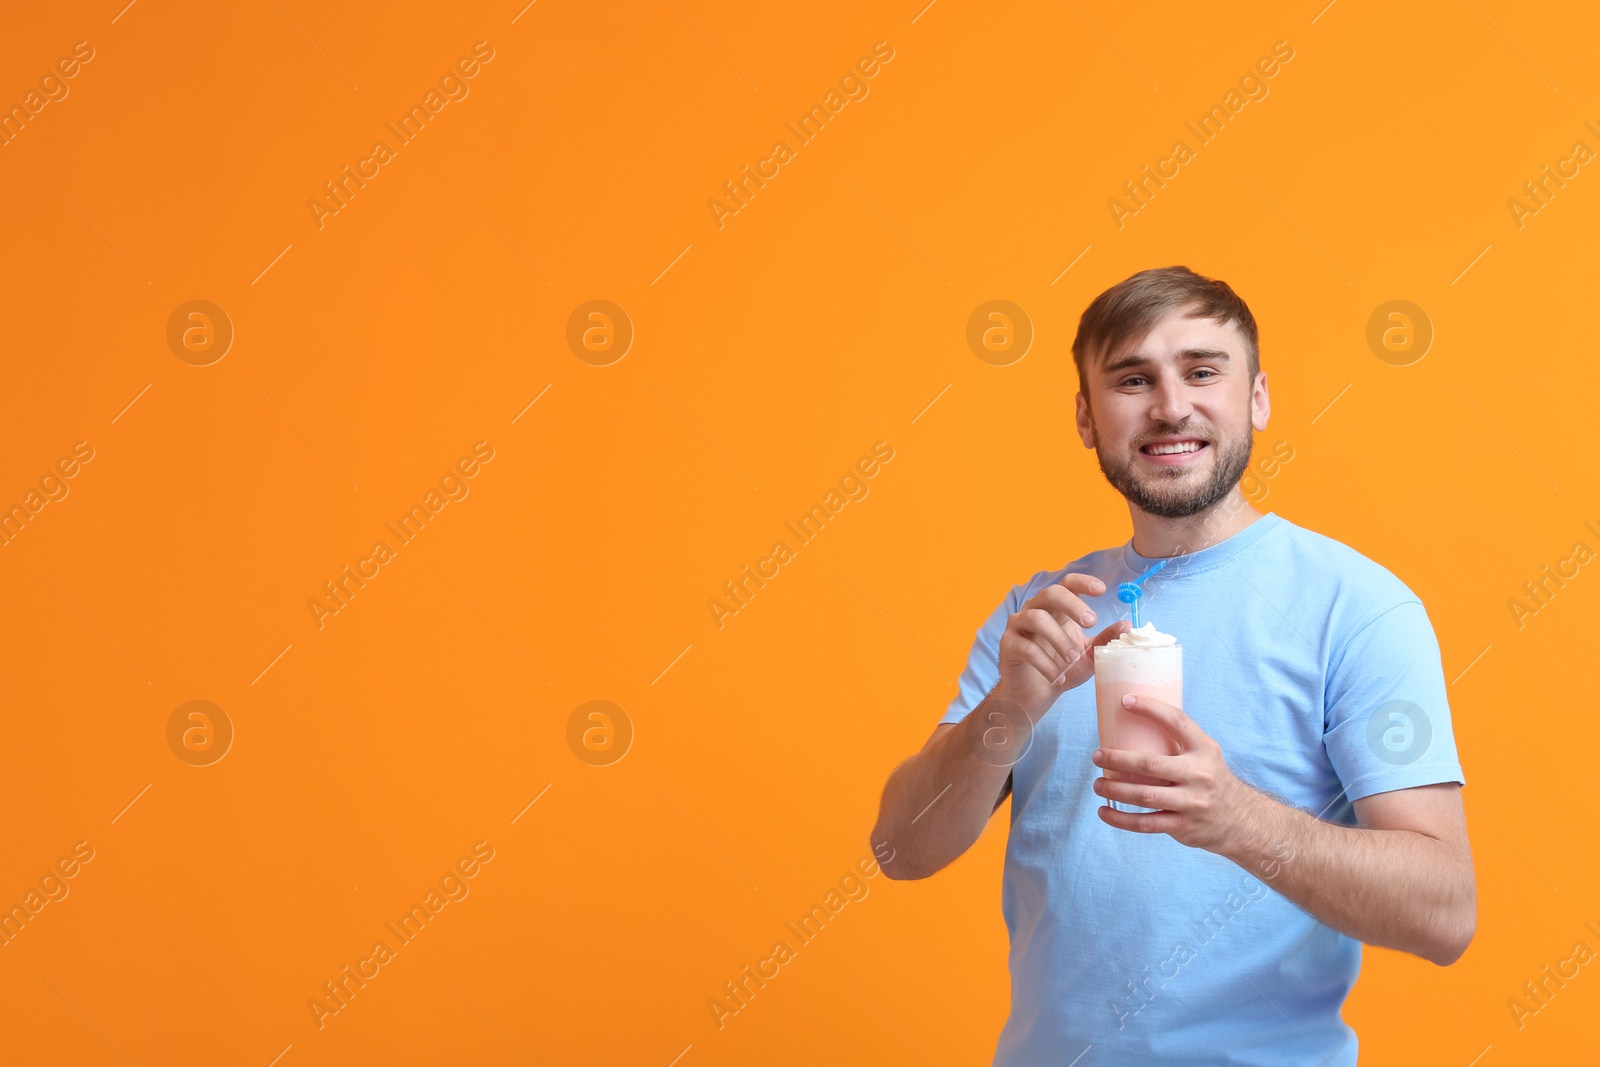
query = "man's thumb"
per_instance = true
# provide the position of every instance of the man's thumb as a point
(1111, 633)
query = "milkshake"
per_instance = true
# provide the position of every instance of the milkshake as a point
(1148, 663)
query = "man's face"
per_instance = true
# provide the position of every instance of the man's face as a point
(1170, 418)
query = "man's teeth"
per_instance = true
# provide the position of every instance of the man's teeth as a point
(1167, 450)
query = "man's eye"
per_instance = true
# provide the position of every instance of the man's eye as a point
(1204, 371)
(1132, 381)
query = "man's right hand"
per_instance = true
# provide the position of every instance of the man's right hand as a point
(1045, 651)
(960, 776)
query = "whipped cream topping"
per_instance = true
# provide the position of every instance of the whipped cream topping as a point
(1146, 636)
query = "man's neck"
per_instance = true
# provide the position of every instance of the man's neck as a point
(1155, 537)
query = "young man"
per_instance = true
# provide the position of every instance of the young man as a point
(1314, 801)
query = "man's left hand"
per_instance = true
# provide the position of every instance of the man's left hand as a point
(1203, 807)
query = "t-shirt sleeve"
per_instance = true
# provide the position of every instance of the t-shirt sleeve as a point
(982, 672)
(1387, 720)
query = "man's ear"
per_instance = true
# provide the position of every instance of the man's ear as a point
(1086, 432)
(1260, 403)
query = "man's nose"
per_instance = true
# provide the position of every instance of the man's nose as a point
(1170, 402)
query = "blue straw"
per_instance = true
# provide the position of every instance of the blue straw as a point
(1130, 592)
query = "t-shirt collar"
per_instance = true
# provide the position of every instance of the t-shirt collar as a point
(1206, 558)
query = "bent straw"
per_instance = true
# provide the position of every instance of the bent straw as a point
(1130, 592)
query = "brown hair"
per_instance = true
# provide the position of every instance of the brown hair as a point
(1127, 312)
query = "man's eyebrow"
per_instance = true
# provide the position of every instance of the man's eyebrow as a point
(1138, 360)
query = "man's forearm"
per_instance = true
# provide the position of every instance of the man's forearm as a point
(937, 803)
(1396, 888)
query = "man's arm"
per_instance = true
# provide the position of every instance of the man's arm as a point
(936, 804)
(1403, 879)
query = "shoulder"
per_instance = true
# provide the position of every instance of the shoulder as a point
(1345, 564)
(1354, 589)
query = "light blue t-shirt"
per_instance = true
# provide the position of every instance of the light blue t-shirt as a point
(1318, 673)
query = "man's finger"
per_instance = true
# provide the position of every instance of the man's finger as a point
(1064, 605)
(1161, 797)
(1042, 627)
(1083, 583)
(1041, 661)
(1146, 822)
(1148, 764)
(1171, 719)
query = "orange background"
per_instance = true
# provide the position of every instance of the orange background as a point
(769, 355)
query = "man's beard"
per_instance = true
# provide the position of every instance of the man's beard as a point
(1161, 491)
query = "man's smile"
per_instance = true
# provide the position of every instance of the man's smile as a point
(1173, 451)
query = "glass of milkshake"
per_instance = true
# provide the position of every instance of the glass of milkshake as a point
(1149, 663)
